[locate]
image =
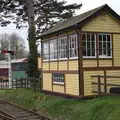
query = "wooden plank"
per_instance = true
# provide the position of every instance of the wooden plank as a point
(62, 71)
(109, 84)
(96, 76)
(101, 68)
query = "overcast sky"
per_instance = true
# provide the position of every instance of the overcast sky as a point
(87, 5)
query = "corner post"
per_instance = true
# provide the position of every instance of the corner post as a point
(80, 63)
(41, 81)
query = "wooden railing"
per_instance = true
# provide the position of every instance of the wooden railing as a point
(102, 81)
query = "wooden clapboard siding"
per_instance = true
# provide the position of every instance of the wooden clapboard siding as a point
(88, 87)
(63, 65)
(73, 65)
(45, 66)
(90, 63)
(53, 65)
(103, 23)
(104, 63)
(58, 88)
(47, 81)
(116, 49)
(72, 84)
(39, 63)
(112, 81)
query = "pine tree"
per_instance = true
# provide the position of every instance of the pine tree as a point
(40, 15)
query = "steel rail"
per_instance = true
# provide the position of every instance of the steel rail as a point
(6, 116)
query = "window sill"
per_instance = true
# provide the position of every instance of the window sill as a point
(58, 83)
(75, 58)
(106, 57)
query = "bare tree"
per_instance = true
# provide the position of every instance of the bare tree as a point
(17, 45)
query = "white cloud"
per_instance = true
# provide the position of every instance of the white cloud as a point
(12, 29)
(90, 4)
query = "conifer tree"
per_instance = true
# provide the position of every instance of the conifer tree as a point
(40, 16)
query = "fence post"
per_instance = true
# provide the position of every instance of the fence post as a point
(99, 85)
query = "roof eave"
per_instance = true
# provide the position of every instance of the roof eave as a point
(86, 20)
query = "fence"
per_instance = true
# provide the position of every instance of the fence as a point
(105, 84)
(21, 83)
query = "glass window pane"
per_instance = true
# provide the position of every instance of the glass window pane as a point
(58, 77)
(104, 45)
(73, 49)
(89, 41)
(46, 50)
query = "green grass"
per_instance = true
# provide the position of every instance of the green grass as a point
(104, 108)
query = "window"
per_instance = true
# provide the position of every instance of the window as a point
(58, 78)
(73, 49)
(62, 47)
(59, 48)
(18, 66)
(89, 45)
(53, 49)
(46, 50)
(105, 47)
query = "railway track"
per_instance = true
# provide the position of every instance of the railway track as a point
(6, 116)
(9, 111)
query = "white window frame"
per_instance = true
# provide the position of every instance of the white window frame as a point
(105, 56)
(90, 45)
(58, 82)
(62, 51)
(73, 46)
(53, 49)
(46, 48)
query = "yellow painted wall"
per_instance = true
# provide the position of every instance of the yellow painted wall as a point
(116, 47)
(63, 65)
(113, 80)
(72, 84)
(47, 81)
(58, 88)
(89, 63)
(39, 62)
(103, 23)
(105, 63)
(53, 65)
(45, 66)
(88, 87)
(73, 65)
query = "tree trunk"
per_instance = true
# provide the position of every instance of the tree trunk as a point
(33, 60)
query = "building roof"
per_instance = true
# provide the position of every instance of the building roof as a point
(19, 60)
(4, 63)
(73, 21)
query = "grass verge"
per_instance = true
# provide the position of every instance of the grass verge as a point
(104, 108)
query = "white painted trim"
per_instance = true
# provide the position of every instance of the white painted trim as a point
(59, 83)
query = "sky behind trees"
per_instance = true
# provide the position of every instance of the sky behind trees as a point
(87, 5)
